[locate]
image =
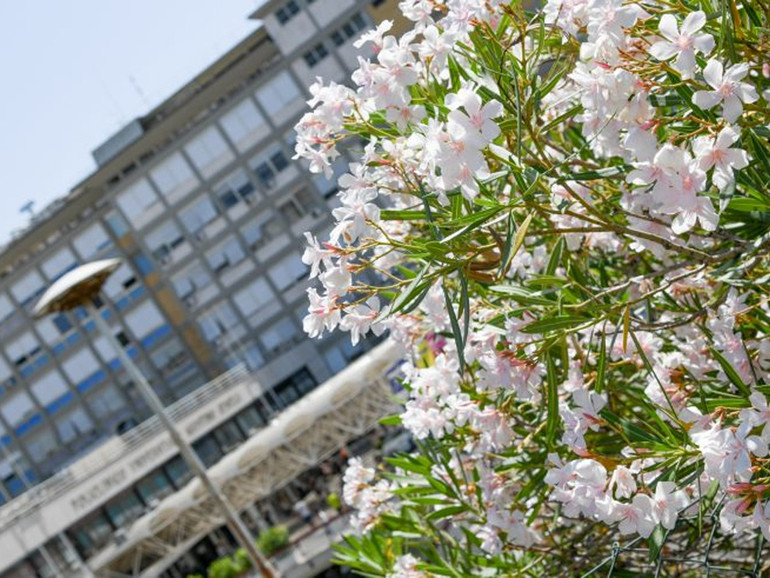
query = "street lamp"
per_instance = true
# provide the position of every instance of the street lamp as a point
(79, 288)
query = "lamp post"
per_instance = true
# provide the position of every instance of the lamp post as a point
(78, 288)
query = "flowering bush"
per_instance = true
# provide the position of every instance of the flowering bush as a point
(560, 213)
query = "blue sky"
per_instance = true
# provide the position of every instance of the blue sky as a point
(75, 72)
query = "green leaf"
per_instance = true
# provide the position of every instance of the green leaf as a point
(402, 215)
(599, 174)
(458, 337)
(411, 291)
(748, 205)
(446, 512)
(521, 295)
(552, 397)
(471, 222)
(730, 372)
(656, 541)
(555, 258)
(553, 323)
(601, 365)
(391, 420)
(508, 253)
(520, 234)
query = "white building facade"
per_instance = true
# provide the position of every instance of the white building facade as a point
(201, 199)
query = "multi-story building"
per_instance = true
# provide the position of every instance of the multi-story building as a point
(203, 202)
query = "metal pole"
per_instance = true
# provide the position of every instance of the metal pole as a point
(236, 525)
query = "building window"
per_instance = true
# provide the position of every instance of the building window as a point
(92, 241)
(228, 436)
(208, 450)
(164, 240)
(122, 288)
(254, 297)
(250, 419)
(297, 206)
(228, 253)
(349, 30)
(49, 387)
(75, 425)
(59, 264)
(287, 12)
(235, 188)
(209, 151)
(169, 357)
(178, 472)
(315, 55)
(287, 271)
(124, 510)
(62, 323)
(197, 216)
(248, 354)
(93, 534)
(267, 166)
(295, 386)
(261, 230)
(154, 487)
(143, 319)
(28, 288)
(278, 93)
(174, 177)
(190, 281)
(279, 336)
(137, 200)
(244, 125)
(218, 321)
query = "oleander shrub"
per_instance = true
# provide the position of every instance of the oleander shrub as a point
(561, 215)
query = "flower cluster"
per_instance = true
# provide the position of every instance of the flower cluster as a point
(559, 214)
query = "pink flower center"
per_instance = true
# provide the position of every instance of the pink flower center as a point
(684, 42)
(727, 89)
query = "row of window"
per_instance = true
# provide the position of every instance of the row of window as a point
(168, 244)
(143, 321)
(209, 152)
(26, 353)
(25, 290)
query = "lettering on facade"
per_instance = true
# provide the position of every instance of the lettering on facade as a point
(116, 480)
(202, 421)
(150, 457)
(104, 486)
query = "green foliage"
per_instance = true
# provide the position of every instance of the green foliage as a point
(273, 539)
(223, 568)
(241, 560)
(619, 313)
(333, 501)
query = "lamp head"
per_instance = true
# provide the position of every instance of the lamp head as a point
(76, 287)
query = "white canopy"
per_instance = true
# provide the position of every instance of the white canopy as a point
(332, 401)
